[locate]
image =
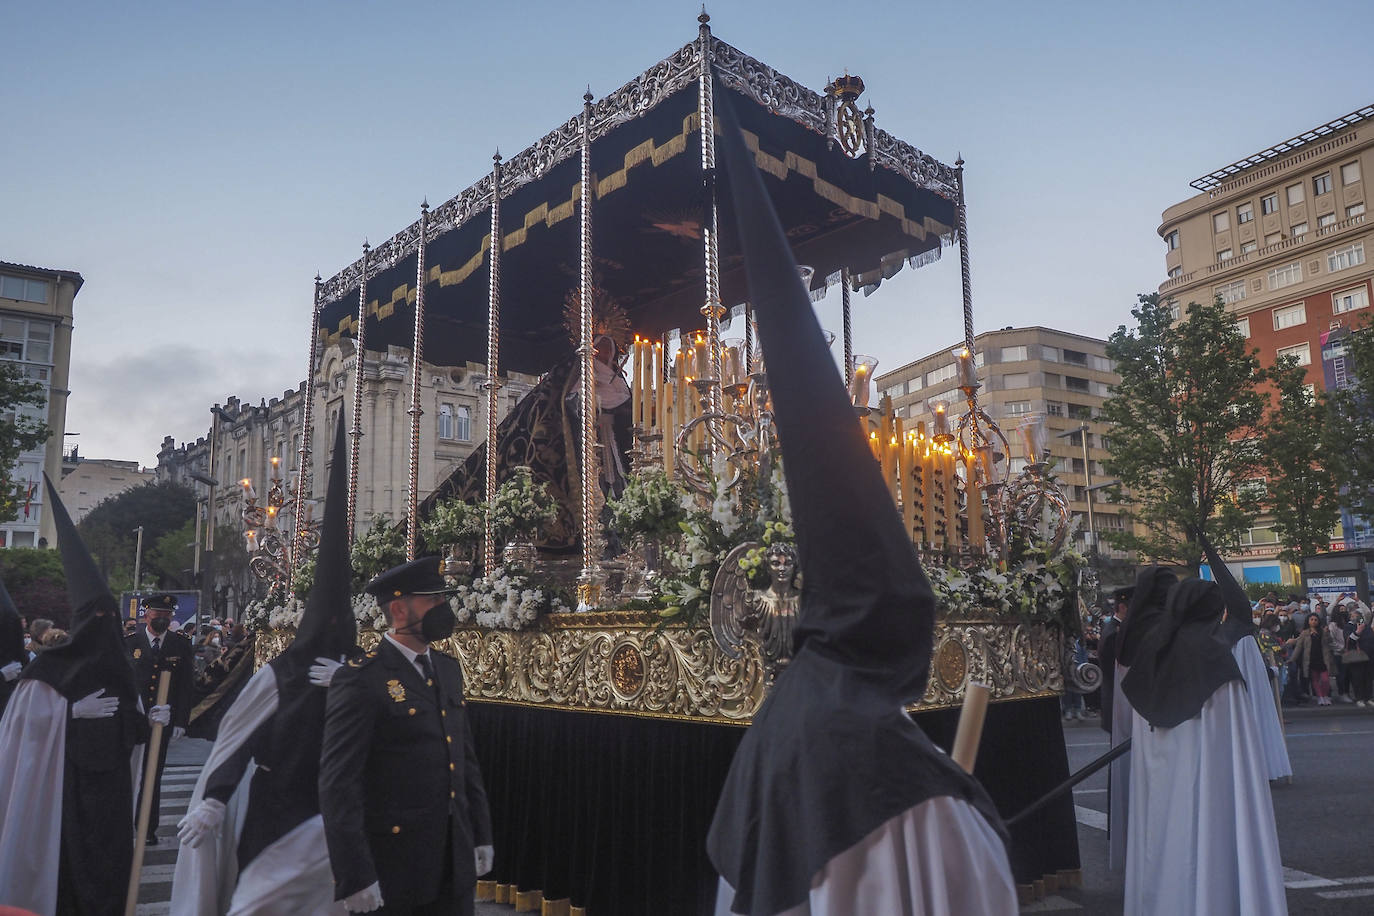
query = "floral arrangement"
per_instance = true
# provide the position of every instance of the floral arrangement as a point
(380, 547)
(454, 522)
(653, 505)
(506, 599)
(754, 563)
(521, 507)
(263, 615)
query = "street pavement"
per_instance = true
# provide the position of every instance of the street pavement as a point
(1323, 820)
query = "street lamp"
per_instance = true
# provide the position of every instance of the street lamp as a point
(205, 590)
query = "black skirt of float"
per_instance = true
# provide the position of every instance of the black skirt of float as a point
(611, 810)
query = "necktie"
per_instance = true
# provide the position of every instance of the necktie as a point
(157, 645)
(430, 680)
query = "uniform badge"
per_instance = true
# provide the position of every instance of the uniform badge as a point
(396, 691)
(138, 653)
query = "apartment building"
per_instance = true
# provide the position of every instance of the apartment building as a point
(1027, 371)
(1282, 236)
(36, 331)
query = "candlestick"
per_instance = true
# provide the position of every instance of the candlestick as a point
(951, 500)
(967, 371)
(973, 490)
(636, 384)
(703, 359)
(1034, 438)
(861, 385)
(940, 427)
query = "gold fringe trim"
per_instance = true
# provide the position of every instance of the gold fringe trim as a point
(529, 901)
(486, 890)
(1042, 887)
(562, 907)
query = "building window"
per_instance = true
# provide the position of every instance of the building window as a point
(1014, 354)
(1350, 172)
(1326, 219)
(1301, 352)
(1321, 184)
(1345, 258)
(1290, 316)
(1244, 214)
(1273, 238)
(1074, 383)
(1018, 408)
(1269, 203)
(937, 376)
(462, 424)
(1049, 354)
(1298, 230)
(1173, 308)
(1080, 412)
(1354, 210)
(1054, 408)
(1310, 390)
(1175, 272)
(1286, 275)
(1349, 300)
(1294, 194)
(24, 289)
(1171, 240)
(1247, 247)
(1243, 325)
(1224, 255)
(1221, 221)
(1015, 380)
(445, 421)
(1231, 292)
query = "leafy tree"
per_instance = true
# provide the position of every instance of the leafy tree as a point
(109, 529)
(18, 433)
(1303, 496)
(1184, 420)
(36, 582)
(172, 557)
(1350, 425)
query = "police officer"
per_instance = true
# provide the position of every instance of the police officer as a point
(154, 648)
(405, 811)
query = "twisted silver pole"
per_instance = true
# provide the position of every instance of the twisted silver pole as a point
(307, 434)
(417, 349)
(848, 328)
(963, 257)
(493, 361)
(357, 433)
(587, 350)
(712, 309)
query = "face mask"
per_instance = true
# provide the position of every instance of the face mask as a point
(438, 623)
(1283, 618)
(1255, 621)
(159, 625)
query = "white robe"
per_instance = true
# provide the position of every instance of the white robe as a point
(1119, 777)
(1261, 700)
(292, 876)
(1202, 835)
(33, 744)
(938, 858)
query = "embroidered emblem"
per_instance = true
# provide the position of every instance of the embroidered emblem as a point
(395, 691)
(138, 653)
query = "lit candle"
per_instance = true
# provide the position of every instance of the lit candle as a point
(910, 475)
(951, 499)
(940, 428)
(271, 521)
(703, 359)
(1033, 437)
(967, 371)
(730, 370)
(247, 484)
(656, 421)
(636, 384)
(976, 537)
(875, 446)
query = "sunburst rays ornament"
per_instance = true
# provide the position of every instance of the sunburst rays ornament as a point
(609, 318)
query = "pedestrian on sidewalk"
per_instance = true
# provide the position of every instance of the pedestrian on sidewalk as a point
(1313, 656)
(1359, 650)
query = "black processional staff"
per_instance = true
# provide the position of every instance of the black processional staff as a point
(1069, 783)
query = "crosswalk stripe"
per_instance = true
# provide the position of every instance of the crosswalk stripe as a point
(1090, 817)
(1050, 904)
(1293, 879)
(1341, 895)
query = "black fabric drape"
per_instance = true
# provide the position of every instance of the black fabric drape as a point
(612, 810)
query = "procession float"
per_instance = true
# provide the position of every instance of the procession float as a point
(628, 575)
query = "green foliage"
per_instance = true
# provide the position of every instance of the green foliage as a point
(109, 529)
(1303, 496)
(1350, 425)
(1185, 429)
(19, 432)
(172, 557)
(652, 506)
(36, 583)
(454, 522)
(521, 508)
(379, 548)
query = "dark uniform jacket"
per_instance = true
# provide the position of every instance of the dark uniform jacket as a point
(1106, 660)
(175, 656)
(399, 783)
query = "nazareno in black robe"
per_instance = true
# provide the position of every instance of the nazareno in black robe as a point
(831, 755)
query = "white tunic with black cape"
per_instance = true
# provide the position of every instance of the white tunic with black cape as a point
(1202, 834)
(836, 801)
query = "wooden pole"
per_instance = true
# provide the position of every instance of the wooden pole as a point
(970, 730)
(145, 803)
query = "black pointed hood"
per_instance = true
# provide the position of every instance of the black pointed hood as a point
(11, 630)
(327, 626)
(1238, 623)
(831, 754)
(1152, 584)
(288, 744)
(92, 656)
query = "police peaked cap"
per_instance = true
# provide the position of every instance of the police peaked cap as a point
(418, 577)
(1124, 594)
(162, 602)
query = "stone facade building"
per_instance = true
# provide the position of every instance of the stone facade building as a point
(86, 482)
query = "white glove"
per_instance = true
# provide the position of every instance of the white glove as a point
(322, 672)
(95, 706)
(177, 732)
(11, 671)
(483, 855)
(159, 715)
(366, 900)
(200, 822)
